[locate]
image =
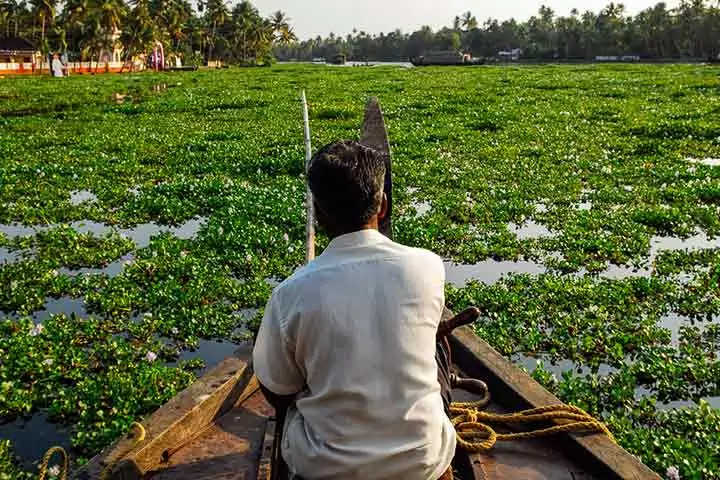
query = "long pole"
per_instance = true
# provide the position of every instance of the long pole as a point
(279, 468)
(310, 226)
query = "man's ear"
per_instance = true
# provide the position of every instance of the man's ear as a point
(383, 207)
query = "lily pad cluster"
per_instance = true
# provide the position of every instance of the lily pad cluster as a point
(169, 219)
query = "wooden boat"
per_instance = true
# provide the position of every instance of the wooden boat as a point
(445, 58)
(339, 59)
(221, 427)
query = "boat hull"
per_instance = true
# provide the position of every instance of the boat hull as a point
(222, 427)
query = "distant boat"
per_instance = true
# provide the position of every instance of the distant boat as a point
(339, 59)
(446, 58)
(318, 60)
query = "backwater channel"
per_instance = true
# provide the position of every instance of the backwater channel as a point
(32, 436)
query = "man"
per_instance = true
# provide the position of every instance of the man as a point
(57, 66)
(348, 342)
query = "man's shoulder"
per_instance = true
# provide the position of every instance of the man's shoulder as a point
(418, 254)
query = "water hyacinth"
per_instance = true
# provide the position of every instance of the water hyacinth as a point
(672, 473)
(608, 339)
(54, 471)
(37, 329)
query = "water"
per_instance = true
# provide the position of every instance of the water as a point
(79, 196)
(422, 208)
(488, 271)
(211, 352)
(530, 230)
(6, 256)
(710, 162)
(111, 270)
(32, 437)
(357, 64)
(140, 234)
(558, 368)
(697, 242)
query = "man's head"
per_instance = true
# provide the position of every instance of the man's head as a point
(346, 179)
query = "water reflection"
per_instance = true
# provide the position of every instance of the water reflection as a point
(211, 352)
(79, 196)
(698, 241)
(140, 234)
(488, 271)
(32, 437)
(530, 230)
(710, 162)
(111, 270)
(56, 306)
(6, 256)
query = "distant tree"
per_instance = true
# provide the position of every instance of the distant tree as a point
(44, 12)
(140, 33)
(216, 14)
(469, 22)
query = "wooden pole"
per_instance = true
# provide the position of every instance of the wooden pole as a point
(310, 226)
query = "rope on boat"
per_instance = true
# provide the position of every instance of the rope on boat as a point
(65, 467)
(118, 456)
(475, 435)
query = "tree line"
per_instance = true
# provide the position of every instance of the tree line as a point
(214, 31)
(692, 30)
(86, 29)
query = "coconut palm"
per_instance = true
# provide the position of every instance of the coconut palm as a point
(106, 17)
(44, 11)
(139, 33)
(469, 22)
(281, 28)
(216, 14)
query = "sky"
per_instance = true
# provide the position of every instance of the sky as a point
(310, 18)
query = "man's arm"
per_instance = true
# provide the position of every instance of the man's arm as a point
(274, 364)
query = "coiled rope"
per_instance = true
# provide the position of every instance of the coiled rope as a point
(65, 468)
(65, 464)
(475, 435)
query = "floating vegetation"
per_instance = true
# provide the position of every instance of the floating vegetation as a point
(577, 207)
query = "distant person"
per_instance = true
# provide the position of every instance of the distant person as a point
(57, 66)
(64, 61)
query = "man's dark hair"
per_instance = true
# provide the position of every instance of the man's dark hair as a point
(346, 179)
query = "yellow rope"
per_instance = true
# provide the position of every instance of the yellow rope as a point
(46, 459)
(116, 457)
(474, 435)
(65, 468)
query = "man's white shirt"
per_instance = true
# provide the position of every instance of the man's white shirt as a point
(354, 332)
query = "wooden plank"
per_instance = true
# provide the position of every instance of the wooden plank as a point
(266, 454)
(179, 420)
(516, 390)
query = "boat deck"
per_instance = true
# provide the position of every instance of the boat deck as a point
(222, 428)
(231, 449)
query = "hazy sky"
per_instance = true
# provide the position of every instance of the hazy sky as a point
(320, 17)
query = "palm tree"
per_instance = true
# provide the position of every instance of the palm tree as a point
(75, 22)
(469, 22)
(139, 32)
(281, 28)
(106, 17)
(216, 15)
(44, 11)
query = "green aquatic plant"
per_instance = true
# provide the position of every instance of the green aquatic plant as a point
(197, 211)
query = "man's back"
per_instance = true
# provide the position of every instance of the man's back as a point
(355, 332)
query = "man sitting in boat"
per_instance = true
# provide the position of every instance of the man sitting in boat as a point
(348, 342)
